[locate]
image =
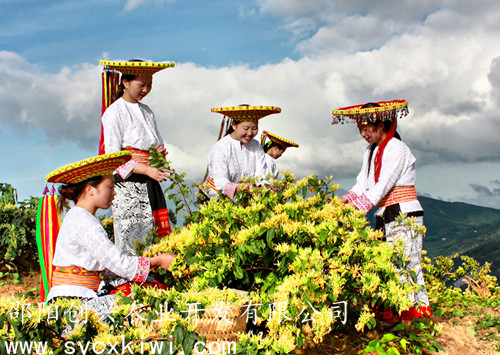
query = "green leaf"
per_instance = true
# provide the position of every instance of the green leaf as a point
(188, 343)
(393, 351)
(238, 272)
(179, 333)
(403, 343)
(270, 235)
(400, 326)
(387, 337)
(372, 323)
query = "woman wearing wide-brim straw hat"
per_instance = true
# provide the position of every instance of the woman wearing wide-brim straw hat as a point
(387, 179)
(238, 155)
(274, 146)
(83, 249)
(128, 124)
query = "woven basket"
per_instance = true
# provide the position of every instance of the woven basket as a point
(222, 323)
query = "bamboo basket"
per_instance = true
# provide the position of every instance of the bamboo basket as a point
(223, 324)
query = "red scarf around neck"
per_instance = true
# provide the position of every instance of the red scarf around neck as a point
(380, 152)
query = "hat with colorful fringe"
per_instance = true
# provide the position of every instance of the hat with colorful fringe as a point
(285, 143)
(246, 112)
(138, 68)
(100, 165)
(385, 111)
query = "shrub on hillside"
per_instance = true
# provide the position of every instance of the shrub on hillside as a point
(17, 231)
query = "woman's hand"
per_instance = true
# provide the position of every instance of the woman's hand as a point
(163, 260)
(346, 202)
(157, 174)
(152, 172)
(162, 150)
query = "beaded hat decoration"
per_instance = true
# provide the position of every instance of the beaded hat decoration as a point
(104, 164)
(387, 111)
(285, 143)
(246, 112)
(136, 68)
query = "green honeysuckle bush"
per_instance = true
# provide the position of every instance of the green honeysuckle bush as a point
(309, 267)
(310, 264)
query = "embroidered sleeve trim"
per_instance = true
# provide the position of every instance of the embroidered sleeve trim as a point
(142, 270)
(230, 189)
(363, 203)
(126, 169)
(351, 196)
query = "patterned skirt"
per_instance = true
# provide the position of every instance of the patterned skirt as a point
(413, 250)
(139, 206)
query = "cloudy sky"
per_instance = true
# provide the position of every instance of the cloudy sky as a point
(305, 56)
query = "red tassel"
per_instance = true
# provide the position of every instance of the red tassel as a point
(162, 222)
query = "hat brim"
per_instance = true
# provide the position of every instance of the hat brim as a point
(145, 69)
(285, 143)
(247, 113)
(100, 165)
(387, 110)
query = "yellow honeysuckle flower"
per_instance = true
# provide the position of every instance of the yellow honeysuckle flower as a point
(322, 323)
(363, 320)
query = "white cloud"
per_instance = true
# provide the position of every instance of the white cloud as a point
(347, 26)
(64, 105)
(133, 4)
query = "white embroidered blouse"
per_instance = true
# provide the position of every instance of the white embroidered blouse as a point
(398, 169)
(229, 161)
(128, 124)
(271, 167)
(83, 242)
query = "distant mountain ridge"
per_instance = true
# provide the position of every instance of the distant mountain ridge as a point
(457, 227)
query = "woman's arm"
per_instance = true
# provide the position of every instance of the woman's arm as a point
(218, 165)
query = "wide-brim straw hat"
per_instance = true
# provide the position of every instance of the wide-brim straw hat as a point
(100, 165)
(285, 143)
(246, 112)
(387, 111)
(145, 69)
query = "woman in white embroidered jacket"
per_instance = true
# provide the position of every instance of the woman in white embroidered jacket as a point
(238, 154)
(129, 124)
(83, 249)
(274, 149)
(387, 179)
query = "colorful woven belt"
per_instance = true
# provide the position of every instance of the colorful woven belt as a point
(141, 156)
(398, 194)
(76, 276)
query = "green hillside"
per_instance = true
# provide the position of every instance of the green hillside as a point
(457, 227)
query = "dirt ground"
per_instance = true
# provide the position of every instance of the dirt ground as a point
(460, 339)
(456, 339)
(28, 287)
